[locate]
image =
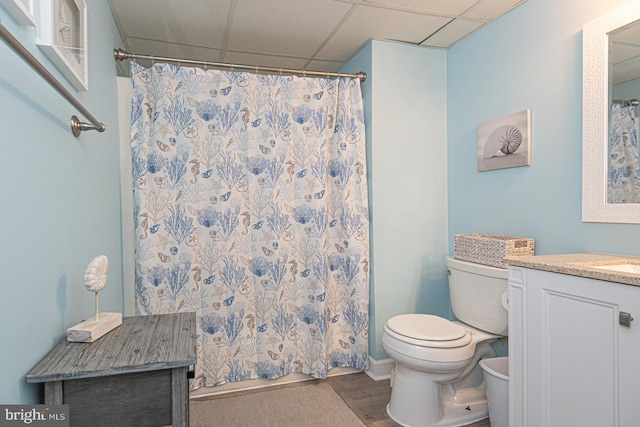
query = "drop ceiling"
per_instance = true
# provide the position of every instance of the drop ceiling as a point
(624, 53)
(303, 34)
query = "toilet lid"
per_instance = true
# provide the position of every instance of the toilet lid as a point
(426, 327)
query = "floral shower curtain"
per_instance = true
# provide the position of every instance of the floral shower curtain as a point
(251, 210)
(624, 176)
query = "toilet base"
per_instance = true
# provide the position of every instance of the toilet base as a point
(419, 401)
(455, 415)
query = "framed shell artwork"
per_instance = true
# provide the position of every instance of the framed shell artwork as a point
(505, 142)
(24, 11)
(62, 36)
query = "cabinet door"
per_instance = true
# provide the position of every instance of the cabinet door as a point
(577, 353)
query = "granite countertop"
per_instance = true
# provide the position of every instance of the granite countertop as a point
(581, 265)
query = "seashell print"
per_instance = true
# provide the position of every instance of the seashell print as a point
(293, 335)
(511, 140)
(95, 276)
(245, 288)
(243, 81)
(505, 139)
(162, 145)
(144, 300)
(190, 131)
(264, 149)
(192, 239)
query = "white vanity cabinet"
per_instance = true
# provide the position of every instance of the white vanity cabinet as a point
(571, 361)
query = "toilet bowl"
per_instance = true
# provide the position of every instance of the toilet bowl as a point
(437, 380)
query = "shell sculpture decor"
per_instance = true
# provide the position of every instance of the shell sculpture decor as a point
(95, 279)
(95, 276)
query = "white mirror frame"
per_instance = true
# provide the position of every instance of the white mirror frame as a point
(595, 118)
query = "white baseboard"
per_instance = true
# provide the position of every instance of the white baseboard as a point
(380, 369)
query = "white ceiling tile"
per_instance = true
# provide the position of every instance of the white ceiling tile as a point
(491, 9)
(368, 23)
(245, 58)
(626, 71)
(629, 33)
(293, 31)
(445, 7)
(452, 33)
(621, 52)
(171, 50)
(200, 22)
(285, 27)
(330, 66)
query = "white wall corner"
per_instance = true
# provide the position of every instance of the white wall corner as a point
(380, 369)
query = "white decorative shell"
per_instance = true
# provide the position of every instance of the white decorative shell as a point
(95, 276)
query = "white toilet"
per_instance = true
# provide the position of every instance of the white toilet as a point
(437, 380)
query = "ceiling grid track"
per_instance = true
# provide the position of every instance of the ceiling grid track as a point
(227, 30)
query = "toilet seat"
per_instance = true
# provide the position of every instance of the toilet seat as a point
(426, 330)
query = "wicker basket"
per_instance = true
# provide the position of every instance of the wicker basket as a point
(490, 249)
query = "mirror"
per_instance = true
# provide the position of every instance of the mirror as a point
(623, 179)
(599, 92)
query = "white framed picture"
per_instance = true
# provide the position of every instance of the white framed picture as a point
(23, 11)
(62, 36)
(505, 142)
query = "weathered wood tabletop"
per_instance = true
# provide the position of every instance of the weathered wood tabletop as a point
(141, 343)
(134, 375)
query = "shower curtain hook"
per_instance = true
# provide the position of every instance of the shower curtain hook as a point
(304, 73)
(153, 60)
(281, 71)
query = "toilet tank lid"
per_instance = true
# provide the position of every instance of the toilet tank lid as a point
(425, 327)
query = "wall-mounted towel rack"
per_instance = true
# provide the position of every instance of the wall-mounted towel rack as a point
(76, 125)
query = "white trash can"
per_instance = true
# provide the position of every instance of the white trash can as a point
(496, 380)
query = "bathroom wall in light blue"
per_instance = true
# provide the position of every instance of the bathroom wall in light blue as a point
(405, 109)
(530, 58)
(60, 203)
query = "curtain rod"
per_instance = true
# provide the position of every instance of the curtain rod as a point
(631, 102)
(121, 55)
(76, 125)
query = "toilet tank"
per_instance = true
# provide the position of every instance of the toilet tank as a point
(479, 295)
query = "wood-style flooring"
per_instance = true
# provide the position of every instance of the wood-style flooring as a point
(365, 397)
